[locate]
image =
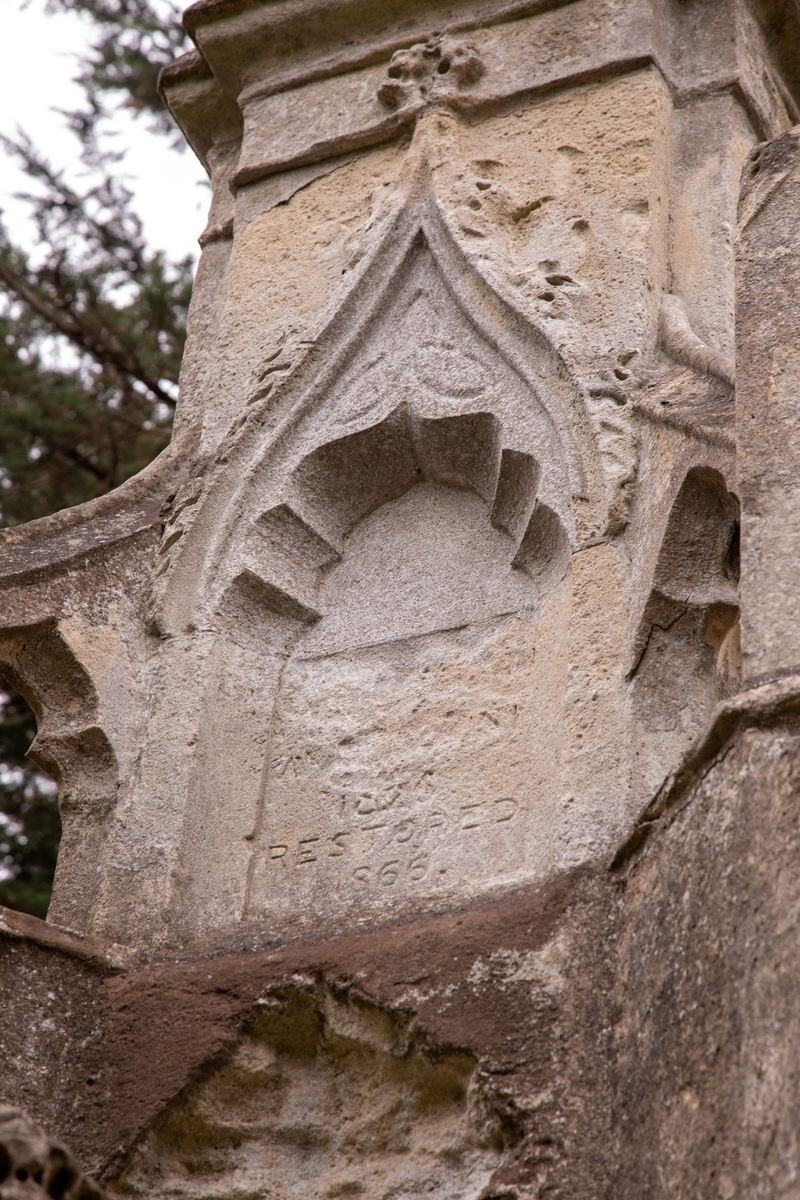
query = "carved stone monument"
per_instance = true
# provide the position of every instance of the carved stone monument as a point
(425, 716)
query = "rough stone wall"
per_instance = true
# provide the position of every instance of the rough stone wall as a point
(707, 990)
(624, 1033)
(459, 1054)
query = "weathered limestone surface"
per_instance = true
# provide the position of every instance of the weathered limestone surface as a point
(426, 767)
(767, 412)
(708, 1072)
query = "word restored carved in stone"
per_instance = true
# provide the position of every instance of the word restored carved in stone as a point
(413, 802)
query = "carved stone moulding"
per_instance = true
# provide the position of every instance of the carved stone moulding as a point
(314, 81)
(373, 569)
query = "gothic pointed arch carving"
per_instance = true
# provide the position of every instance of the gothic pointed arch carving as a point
(416, 553)
(370, 557)
(420, 325)
(71, 746)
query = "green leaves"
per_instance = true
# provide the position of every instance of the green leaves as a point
(92, 329)
(134, 40)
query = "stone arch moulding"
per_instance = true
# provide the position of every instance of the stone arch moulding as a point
(395, 595)
(380, 548)
(687, 650)
(422, 325)
(283, 564)
(72, 748)
(678, 560)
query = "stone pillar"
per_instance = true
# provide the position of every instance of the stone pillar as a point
(768, 407)
(365, 694)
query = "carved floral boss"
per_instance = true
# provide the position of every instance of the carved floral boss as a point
(428, 71)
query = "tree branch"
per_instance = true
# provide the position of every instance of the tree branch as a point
(88, 465)
(101, 349)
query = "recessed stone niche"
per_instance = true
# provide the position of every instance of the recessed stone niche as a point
(404, 743)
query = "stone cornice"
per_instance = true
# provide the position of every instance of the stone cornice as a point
(304, 80)
(22, 927)
(297, 41)
(72, 533)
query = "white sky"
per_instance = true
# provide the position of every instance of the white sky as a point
(38, 58)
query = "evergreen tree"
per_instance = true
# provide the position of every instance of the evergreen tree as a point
(92, 327)
(29, 823)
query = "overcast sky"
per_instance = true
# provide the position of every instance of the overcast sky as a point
(37, 62)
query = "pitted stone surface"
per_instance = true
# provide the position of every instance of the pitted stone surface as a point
(33, 1166)
(336, 1097)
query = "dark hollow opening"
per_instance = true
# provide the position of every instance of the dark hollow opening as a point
(30, 825)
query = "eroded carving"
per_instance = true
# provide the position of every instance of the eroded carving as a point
(297, 542)
(414, 547)
(683, 344)
(616, 444)
(33, 1166)
(430, 71)
(324, 1094)
(378, 546)
(70, 744)
(688, 651)
(411, 328)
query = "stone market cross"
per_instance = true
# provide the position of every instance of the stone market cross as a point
(425, 717)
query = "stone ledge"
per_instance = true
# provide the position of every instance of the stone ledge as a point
(20, 926)
(758, 706)
(131, 508)
(320, 95)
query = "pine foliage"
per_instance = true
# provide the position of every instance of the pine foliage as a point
(30, 828)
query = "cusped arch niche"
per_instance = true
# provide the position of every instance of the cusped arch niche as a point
(420, 324)
(402, 581)
(70, 746)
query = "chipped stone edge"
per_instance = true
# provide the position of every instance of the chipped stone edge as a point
(758, 706)
(72, 532)
(23, 927)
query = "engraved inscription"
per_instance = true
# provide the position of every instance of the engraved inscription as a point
(356, 842)
(406, 769)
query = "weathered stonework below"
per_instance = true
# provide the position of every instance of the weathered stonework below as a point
(630, 1031)
(324, 1087)
(425, 716)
